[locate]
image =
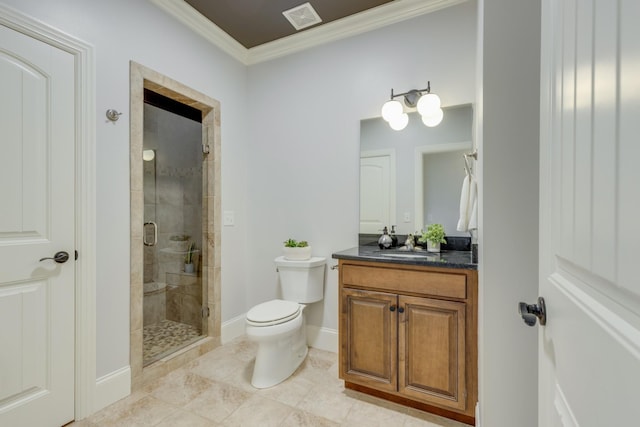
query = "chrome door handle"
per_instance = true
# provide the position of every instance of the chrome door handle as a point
(532, 312)
(155, 234)
(59, 257)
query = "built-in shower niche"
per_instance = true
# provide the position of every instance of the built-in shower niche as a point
(173, 230)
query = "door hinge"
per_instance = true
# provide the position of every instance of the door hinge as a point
(205, 312)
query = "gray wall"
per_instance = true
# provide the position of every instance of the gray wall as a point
(305, 131)
(508, 235)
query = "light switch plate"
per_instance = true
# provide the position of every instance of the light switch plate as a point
(228, 219)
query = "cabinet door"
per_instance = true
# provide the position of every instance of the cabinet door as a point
(432, 351)
(368, 338)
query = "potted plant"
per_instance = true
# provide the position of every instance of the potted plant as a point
(295, 250)
(433, 237)
(189, 267)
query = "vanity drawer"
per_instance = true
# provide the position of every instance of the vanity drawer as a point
(409, 281)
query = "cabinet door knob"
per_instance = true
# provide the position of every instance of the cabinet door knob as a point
(400, 309)
(392, 308)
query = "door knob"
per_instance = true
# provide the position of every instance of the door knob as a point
(60, 257)
(531, 312)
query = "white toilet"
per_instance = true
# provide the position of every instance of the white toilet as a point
(278, 326)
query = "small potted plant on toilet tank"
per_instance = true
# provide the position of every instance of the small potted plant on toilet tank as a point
(295, 250)
(433, 237)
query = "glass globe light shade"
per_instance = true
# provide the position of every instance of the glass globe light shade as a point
(391, 109)
(428, 104)
(434, 119)
(400, 122)
(148, 155)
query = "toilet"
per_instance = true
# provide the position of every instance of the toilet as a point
(278, 326)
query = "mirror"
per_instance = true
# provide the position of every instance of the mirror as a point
(413, 177)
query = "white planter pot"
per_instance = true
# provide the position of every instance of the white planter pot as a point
(297, 253)
(433, 247)
(189, 268)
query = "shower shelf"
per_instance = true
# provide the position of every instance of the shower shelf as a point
(173, 251)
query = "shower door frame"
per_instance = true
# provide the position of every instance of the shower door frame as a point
(142, 78)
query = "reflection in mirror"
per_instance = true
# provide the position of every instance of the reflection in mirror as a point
(413, 177)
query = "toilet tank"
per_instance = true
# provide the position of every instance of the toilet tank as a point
(302, 280)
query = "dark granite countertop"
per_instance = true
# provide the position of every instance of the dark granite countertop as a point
(445, 259)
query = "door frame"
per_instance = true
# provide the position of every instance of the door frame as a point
(85, 186)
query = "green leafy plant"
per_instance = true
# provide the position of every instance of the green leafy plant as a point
(434, 234)
(188, 258)
(292, 243)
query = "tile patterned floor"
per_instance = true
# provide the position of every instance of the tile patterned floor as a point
(165, 337)
(215, 390)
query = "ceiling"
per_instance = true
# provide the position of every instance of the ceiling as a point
(254, 31)
(255, 22)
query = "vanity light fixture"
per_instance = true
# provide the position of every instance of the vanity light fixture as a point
(427, 104)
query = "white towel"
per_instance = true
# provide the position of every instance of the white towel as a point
(473, 201)
(468, 205)
(463, 221)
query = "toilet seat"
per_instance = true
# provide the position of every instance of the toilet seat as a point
(273, 312)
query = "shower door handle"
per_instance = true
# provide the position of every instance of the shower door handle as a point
(155, 234)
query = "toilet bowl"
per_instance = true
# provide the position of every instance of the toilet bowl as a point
(278, 326)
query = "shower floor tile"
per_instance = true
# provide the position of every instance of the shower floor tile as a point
(165, 337)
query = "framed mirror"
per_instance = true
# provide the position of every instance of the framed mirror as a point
(413, 177)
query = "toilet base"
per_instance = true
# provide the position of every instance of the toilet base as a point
(279, 356)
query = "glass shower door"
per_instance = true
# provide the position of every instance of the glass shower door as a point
(173, 233)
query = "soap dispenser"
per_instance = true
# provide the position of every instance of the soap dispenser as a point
(394, 238)
(384, 241)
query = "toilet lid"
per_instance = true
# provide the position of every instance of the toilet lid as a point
(273, 312)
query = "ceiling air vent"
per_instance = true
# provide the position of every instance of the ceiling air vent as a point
(302, 16)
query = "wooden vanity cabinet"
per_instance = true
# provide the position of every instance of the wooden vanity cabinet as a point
(408, 334)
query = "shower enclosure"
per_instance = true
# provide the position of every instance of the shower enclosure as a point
(174, 315)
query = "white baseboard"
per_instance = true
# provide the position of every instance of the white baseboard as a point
(232, 328)
(112, 387)
(317, 337)
(322, 338)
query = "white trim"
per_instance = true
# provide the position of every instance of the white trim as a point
(112, 387)
(418, 177)
(322, 338)
(189, 16)
(232, 328)
(618, 328)
(85, 288)
(317, 336)
(378, 17)
(563, 411)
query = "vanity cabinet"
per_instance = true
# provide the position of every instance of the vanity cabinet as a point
(408, 334)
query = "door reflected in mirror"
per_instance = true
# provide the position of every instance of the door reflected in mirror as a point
(413, 177)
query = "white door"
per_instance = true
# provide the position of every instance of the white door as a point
(36, 221)
(590, 213)
(377, 189)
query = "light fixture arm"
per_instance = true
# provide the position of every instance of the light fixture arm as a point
(411, 97)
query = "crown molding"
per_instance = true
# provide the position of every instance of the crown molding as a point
(194, 20)
(378, 17)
